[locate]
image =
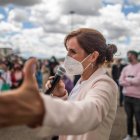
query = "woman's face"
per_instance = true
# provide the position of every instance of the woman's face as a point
(75, 51)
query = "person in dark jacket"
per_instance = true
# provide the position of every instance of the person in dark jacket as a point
(116, 72)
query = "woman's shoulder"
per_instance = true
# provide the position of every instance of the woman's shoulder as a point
(104, 76)
(106, 80)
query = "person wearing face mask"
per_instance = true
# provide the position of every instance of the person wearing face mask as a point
(88, 112)
(130, 80)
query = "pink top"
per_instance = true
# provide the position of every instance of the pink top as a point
(130, 80)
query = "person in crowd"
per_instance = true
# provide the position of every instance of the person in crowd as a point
(130, 80)
(52, 64)
(108, 68)
(39, 76)
(89, 111)
(8, 63)
(116, 72)
(6, 75)
(45, 75)
(2, 80)
(16, 76)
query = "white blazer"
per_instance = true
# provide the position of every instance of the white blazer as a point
(89, 116)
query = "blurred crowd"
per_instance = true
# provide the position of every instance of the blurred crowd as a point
(127, 77)
(11, 72)
(123, 72)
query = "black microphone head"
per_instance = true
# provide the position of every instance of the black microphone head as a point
(60, 71)
(59, 74)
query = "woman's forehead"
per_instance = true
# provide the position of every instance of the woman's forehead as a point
(72, 43)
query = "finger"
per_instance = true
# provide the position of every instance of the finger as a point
(48, 84)
(51, 77)
(61, 83)
(29, 70)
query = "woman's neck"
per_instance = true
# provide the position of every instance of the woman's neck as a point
(88, 72)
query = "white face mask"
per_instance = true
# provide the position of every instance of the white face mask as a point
(74, 67)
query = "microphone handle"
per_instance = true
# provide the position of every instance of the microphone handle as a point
(53, 84)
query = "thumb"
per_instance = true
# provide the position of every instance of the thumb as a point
(29, 70)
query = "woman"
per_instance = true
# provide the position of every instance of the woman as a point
(91, 107)
(90, 110)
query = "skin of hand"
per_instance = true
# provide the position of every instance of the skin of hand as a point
(59, 90)
(23, 106)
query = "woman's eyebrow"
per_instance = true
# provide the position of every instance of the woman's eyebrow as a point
(72, 50)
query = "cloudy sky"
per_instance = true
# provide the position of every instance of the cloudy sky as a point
(38, 27)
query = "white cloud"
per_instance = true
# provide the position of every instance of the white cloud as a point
(111, 10)
(18, 15)
(20, 2)
(117, 27)
(135, 2)
(90, 8)
(6, 27)
(1, 17)
(135, 42)
(134, 17)
(113, 24)
(53, 21)
(34, 42)
(44, 15)
(49, 18)
(114, 1)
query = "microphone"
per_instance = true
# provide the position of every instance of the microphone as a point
(59, 73)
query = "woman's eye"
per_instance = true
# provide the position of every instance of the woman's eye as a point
(73, 52)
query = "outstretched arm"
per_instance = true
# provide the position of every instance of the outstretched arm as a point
(23, 105)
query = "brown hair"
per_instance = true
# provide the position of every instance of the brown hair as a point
(92, 40)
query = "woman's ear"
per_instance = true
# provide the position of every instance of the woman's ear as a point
(94, 56)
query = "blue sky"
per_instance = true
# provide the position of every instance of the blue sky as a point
(3, 12)
(38, 27)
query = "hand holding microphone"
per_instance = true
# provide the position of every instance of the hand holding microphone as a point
(55, 85)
